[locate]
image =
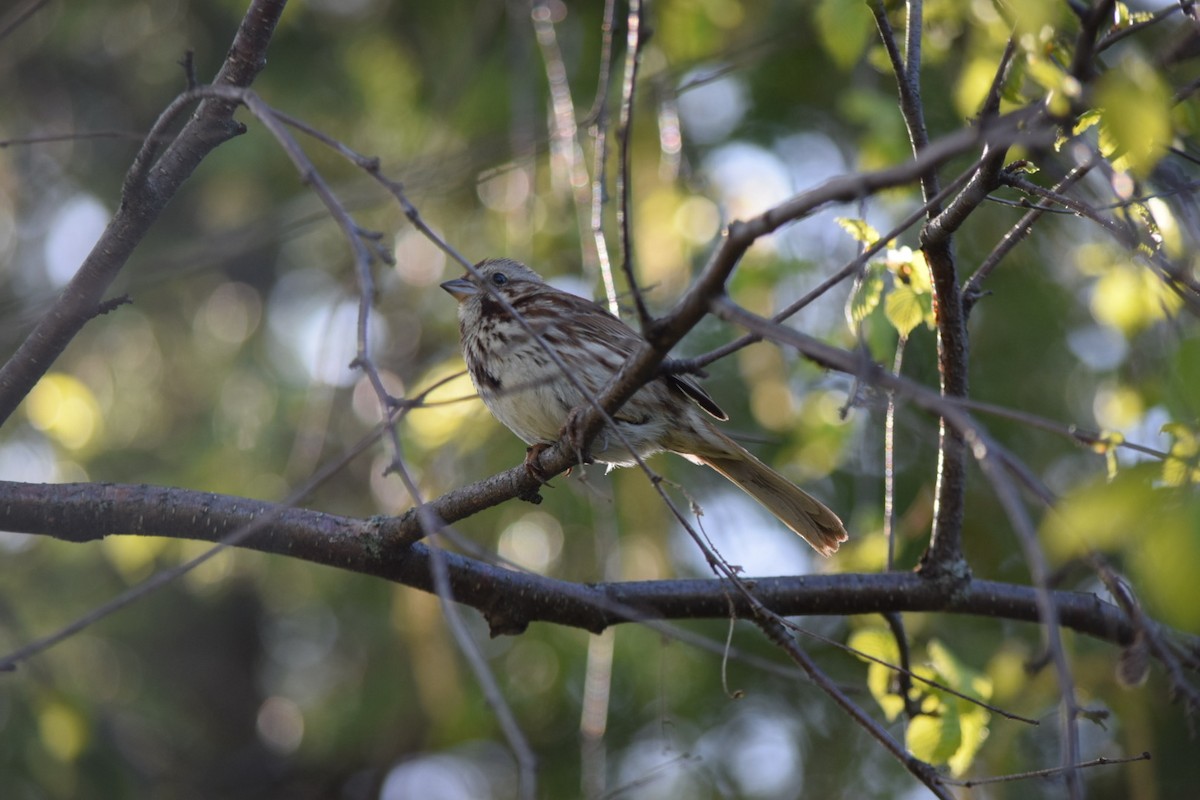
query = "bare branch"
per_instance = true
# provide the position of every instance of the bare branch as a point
(141, 204)
(511, 600)
(1083, 64)
(1044, 773)
(634, 39)
(973, 288)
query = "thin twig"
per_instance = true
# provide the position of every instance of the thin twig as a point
(1082, 435)
(564, 135)
(1112, 37)
(517, 741)
(904, 674)
(19, 16)
(634, 39)
(973, 288)
(1039, 572)
(1044, 773)
(889, 461)
(990, 106)
(922, 771)
(599, 133)
(982, 449)
(902, 669)
(80, 136)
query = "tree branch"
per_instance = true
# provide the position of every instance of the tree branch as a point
(142, 200)
(510, 600)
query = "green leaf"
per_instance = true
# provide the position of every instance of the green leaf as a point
(973, 731)
(951, 729)
(860, 229)
(1136, 112)
(844, 29)
(1183, 465)
(866, 296)
(1060, 86)
(881, 682)
(1103, 514)
(1087, 119)
(935, 738)
(903, 309)
(957, 675)
(875, 641)
(919, 276)
(879, 642)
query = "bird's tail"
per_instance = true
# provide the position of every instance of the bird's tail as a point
(794, 507)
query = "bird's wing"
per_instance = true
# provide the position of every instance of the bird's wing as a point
(701, 397)
(622, 339)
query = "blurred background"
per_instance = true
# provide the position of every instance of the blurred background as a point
(260, 676)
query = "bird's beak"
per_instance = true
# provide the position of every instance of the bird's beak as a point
(460, 288)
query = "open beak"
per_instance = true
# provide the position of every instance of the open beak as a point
(460, 288)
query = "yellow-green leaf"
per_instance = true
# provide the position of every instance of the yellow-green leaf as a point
(1111, 465)
(1105, 515)
(1130, 298)
(860, 229)
(1087, 119)
(973, 731)
(1051, 77)
(882, 685)
(935, 738)
(1136, 113)
(865, 297)
(919, 277)
(903, 309)
(875, 641)
(1183, 465)
(1106, 445)
(957, 675)
(878, 642)
(844, 30)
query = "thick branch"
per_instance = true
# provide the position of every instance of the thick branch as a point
(511, 600)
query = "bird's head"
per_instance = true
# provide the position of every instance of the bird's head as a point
(503, 275)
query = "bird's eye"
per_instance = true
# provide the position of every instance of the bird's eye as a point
(499, 279)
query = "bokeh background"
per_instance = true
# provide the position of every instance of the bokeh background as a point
(259, 676)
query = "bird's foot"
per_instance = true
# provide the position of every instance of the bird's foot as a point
(572, 434)
(533, 463)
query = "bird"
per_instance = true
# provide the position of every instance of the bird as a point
(529, 394)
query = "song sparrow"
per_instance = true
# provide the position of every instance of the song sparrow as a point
(528, 393)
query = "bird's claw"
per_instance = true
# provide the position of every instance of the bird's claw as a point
(572, 434)
(533, 464)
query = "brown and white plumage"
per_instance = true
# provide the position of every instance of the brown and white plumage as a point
(525, 390)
